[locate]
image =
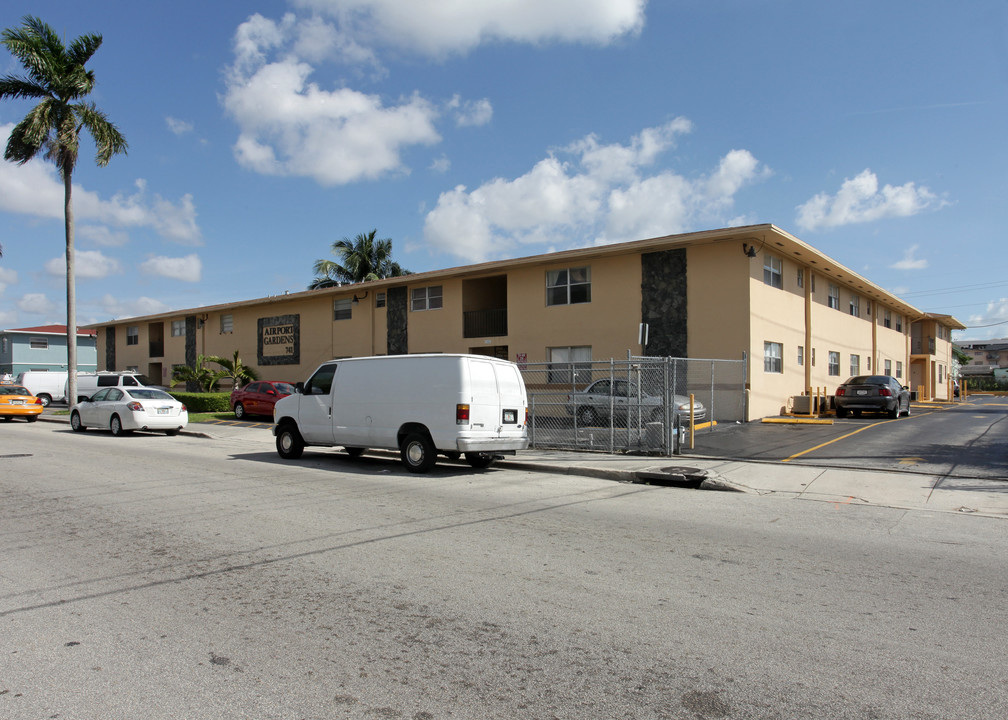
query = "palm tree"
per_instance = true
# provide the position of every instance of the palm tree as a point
(240, 373)
(200, 375)
(359, 260)
(56, 75)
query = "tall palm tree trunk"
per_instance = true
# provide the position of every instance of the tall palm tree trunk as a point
(71, 324)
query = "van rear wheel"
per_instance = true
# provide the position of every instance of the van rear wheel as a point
(418, 453)
(289, 443)
(479, 460)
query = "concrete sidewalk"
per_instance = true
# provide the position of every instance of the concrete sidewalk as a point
(909, 490)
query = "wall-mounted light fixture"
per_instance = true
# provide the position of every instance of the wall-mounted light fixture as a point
(749, 250)
(356, 300)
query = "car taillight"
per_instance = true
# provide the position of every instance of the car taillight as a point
(134, 406)
(885, 392)
(183, 409)
(841, 391)
(462, 414)
(38, 401)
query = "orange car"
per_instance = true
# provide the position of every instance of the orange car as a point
(17, 401)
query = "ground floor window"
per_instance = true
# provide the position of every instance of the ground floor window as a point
(855, 365)
(773, 357)
(888, 367)
(899, 369)
(834, 363)
(801, 354)
(569, 364)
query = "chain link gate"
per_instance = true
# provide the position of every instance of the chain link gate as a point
(641, 404)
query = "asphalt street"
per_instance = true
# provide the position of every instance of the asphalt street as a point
(190, 577)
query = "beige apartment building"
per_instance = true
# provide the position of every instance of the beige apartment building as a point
(796, 317)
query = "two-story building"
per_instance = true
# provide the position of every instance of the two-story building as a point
(44, 348)
(796, 317)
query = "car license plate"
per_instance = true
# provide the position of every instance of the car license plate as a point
(862, 392)
(510, 417)
(163, 411)
(17, 402)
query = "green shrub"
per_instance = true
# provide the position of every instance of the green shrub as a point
(204, 402)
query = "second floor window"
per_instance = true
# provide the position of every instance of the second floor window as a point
(834, 297)
(887, 318)
(426, 298)
(773, 271)
(855, 305)
(342, 309)
(227, 323)
(177, 328)
(568, 286)
(133, 335)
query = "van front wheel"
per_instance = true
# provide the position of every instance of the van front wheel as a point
(289, 443)
(418, 453)
(479, 460)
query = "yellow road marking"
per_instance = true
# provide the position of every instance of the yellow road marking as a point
(910, 460)
(844, 437)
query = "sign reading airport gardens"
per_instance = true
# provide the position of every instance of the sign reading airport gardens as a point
(280, 340)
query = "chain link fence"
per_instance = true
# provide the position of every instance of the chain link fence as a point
(641, 404)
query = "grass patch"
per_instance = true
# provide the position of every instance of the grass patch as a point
(210, 416)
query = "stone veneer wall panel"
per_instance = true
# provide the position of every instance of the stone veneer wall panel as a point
(397, 314)
(663, 302)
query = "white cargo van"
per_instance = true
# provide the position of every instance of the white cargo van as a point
(49, 386)
(420, 405)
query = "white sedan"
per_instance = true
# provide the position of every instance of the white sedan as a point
(124, 409)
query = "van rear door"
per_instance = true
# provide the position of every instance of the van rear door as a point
(498, 399)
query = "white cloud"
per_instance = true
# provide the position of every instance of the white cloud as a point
(115, 308)
(179, 127)
(441, 164)
(102, 235)
(471, 113)
(909, 262)
(87, 264)
(860, 200)
(35, 189)
(187, 269)
(289, 126)
(7, 277)
(600, 195)
(438, 27)
(39, 304)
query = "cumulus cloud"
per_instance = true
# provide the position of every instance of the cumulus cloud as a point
(471, 113)
(860, 200)
(290, 126)
(179, 127)
(39, 304)
(909, 262)
(7, 277)
(588, 192)
(187, 269)
(115, 308)
(87, 264)
(35, 189)
(440, 27)
(102, 235)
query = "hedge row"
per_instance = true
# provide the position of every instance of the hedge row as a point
(203, 402)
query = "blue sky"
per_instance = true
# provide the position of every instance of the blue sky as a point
(260, 132)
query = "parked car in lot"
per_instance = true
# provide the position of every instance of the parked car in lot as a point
(874, 393)
(124, 409)
(47, 385)
(258, 398)
(89, 383)
(591, 406)
(17, 401)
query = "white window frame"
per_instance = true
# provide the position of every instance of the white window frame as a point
(563, 289)
(801, 277)
(226, 323)
(773, 357)
(833, 298)
(427, 298)
(888, 368)
(899, 368)
(834, 364)
(568, 359)
(855, 365)
(178, 328)
(380, 300)
(773, 271)
(855, 305)
(801, 354)
(342, 309)
(899, 323)
(887, 318)
(132, 334)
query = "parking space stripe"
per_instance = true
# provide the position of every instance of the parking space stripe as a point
(844, 437)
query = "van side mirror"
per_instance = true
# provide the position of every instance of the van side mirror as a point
(299, 387)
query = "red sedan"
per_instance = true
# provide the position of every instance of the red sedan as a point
(258, 398)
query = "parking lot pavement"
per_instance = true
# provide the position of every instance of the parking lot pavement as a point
(840, 486)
